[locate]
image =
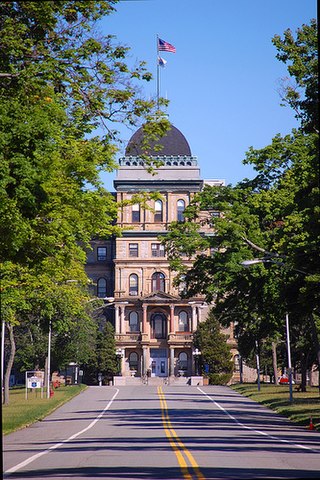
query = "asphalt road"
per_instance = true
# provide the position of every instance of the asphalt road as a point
(166, 432)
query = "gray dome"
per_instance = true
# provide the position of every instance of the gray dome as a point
(173, 143)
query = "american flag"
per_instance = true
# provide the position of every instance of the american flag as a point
(165, 46)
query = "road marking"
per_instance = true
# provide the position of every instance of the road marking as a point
(253, 429)
(57, 445)
(182, 453)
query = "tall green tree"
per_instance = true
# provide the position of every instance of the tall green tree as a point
(107, 361)
(59, 81)
(215, 351)
(274, 217)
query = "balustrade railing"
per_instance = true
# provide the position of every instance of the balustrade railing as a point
(128, 337)
(181, 337)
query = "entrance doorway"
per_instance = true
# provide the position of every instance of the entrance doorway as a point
(158, 362)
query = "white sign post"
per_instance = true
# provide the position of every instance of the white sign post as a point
(34, 380)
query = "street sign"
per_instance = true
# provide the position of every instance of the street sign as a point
(34, 382)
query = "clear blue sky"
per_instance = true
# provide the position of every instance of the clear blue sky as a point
(223, 80)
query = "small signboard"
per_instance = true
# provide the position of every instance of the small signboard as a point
(34, 380)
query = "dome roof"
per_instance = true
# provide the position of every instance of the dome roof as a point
(173, 143)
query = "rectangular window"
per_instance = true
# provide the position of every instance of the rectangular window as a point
(157, 250)
(158, 217)
(215, 214)
(101, 253)
(135, 213)
(133, 250)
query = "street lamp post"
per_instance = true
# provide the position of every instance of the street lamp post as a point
(258, 365)
(2, 358)
(120, 354)
(49, 360)
(289, 357)
(196, 353)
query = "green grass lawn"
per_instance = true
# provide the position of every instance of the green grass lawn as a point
(276, 397)
(21, 412)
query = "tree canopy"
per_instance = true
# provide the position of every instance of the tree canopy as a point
(60, 79)
(272, 219)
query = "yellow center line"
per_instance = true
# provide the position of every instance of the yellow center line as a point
(180, 450)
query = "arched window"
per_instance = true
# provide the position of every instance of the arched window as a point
(183, 361)
(158, 207)
(102, 288)
(135, 213)
(236, 363)
(133, 361)
(158, 282)
(183, 322)
(134, 322)
(181, 205)
(133, 284)
(158, 326)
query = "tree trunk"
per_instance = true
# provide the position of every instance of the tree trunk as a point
(303, 373)
(9, 364)
(275, 362)
(316, 342)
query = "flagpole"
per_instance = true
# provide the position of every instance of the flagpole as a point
(158, 73)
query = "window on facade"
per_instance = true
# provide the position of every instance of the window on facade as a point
(236, 363)
(134, 322)
(181, 205)
(158, 282)
(183, 322)
(157, 250)
(215, 214)
(133, 284)
(133, 249)
(182, 285)
(135, 213)
(183, 361)
(133, 361)
(158, 207)
(102, 288)
(158, 326)
(101, 253)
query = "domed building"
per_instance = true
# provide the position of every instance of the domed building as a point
(153, 325)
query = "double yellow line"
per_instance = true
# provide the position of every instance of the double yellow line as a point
(185, 458)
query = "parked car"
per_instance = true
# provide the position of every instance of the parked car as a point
(285, 379)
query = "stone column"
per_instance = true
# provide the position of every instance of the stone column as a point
(199, 314)
(117, 319)
(194, 318)
(123, 359)
(144, 319)
(144, 360)
(171, 366)
(122, 318)
(172, 329)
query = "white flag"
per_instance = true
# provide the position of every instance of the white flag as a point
(162, 62)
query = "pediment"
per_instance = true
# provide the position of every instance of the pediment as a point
(159, 296)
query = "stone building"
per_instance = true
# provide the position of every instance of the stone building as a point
(153, 325)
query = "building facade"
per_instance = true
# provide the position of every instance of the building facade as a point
(154, 326)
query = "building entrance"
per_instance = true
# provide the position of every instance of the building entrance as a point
(159, 362)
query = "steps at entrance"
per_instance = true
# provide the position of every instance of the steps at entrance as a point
(152, 381)
(179, 381)
(133, 380)
(156, 381)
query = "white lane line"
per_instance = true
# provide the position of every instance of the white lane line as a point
(57, 445)
(253, 429)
